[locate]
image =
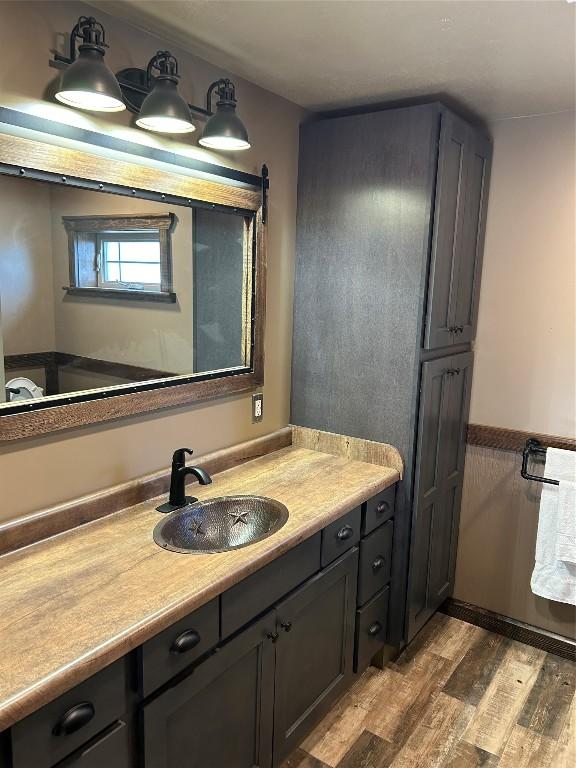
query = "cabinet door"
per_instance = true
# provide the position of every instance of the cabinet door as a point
(314, 652)
(458, 241)
(444, 404)
(221, 714)
(448, 227)
(478, 158)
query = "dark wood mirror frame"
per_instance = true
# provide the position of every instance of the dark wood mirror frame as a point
(27, 158)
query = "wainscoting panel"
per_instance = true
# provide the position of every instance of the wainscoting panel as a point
(498, 524)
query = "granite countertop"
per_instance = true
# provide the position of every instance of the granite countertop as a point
(74, 603)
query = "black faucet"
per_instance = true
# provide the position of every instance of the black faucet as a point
(178, 498)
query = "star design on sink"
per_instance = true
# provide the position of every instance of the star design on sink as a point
(239, 517)
(196, 527)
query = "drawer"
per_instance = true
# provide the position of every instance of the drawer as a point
(110, 749)
(378, 510)
(340, 536)
(371, 629)
(252, 596)
(68, 722)
(375, 562)
(175, 648)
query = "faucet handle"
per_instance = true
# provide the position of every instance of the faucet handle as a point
(179, 456)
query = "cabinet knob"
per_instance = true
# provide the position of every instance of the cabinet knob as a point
(273, 636)
(345, 532)
(185, 642)
(76, 717)
(383, 506)
(374, 629)
(286, 625)
(378, 563)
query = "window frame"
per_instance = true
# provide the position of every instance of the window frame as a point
(164, 224)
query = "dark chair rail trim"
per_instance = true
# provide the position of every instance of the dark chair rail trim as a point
(513, 439)
(92, 364)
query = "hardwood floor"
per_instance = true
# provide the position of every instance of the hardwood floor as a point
(458, 697)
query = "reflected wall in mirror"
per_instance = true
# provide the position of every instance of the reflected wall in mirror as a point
(100, 290)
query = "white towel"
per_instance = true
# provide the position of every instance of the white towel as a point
(553, 578)
(566, 533)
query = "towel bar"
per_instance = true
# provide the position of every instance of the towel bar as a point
(534, 448)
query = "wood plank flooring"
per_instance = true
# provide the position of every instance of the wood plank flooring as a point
(458, 697)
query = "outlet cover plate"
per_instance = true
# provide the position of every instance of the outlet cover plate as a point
(257, 407)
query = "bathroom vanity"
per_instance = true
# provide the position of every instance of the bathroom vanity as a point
(123, 654)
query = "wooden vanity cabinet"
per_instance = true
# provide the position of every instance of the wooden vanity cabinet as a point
(254, 700)
(314, 652)
(63, 726)
(269, 657)
(222, 713)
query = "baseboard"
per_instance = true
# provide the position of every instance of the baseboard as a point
(515, 630)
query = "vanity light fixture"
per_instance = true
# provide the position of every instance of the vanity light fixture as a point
(88, 83)
(151, 93)
(224, 130)
(164, 110)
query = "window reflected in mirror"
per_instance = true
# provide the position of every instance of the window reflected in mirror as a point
(101, 291)
(121, 253)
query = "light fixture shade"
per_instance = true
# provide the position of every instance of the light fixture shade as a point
(89, 84)
(225, 130)
(164, 110)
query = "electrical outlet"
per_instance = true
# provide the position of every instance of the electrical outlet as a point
(257, 407)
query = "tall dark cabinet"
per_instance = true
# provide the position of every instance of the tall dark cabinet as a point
(391, 214)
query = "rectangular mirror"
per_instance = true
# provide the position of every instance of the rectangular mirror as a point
(105, 294)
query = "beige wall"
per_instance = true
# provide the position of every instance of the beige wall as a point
(37, 473)
(26, 307)
(524, 375)
(26, 267)
(525, 362)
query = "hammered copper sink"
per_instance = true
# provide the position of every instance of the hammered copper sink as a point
(220, 524)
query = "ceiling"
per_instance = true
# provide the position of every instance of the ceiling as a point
(498, 58)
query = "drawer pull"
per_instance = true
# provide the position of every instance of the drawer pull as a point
(76, 717)
(374, 629)
(383, 506)
(185, 642)
(345, 532)
(378, 563)
(286, 625)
